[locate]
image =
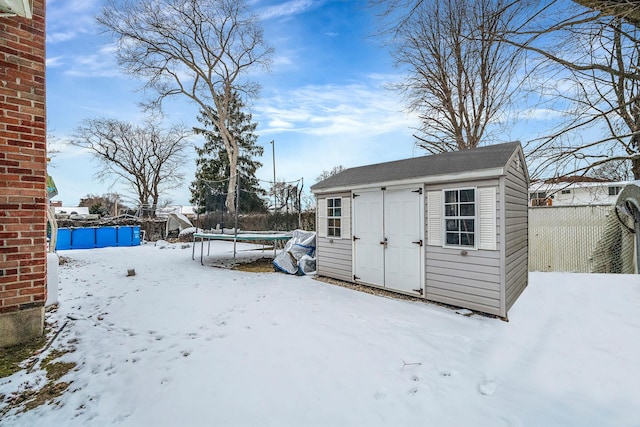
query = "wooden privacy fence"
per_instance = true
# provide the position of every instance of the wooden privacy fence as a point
(563, 238)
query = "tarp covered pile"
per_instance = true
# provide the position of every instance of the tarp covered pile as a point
(298, 255)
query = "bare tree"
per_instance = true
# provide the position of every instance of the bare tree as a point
(328, 174)
(461, 75)
(593, 56)
(147, 158)
(612, 171)
(201, 49)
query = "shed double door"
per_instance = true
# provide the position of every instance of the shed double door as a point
(387, 230)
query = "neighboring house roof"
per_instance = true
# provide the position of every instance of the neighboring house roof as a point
(188, 210)
(572, 179)
(82, 210)
(554, 187)
(487, 157)
(175, 209)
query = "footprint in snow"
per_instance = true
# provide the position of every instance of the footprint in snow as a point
(379, 395)
(121, 418)
(513, 422)
(216, 336)
(487, 387)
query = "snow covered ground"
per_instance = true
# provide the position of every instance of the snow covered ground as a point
(180, 344)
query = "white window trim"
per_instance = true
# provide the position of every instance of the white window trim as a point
(434, 218)
(345, 221)
(486, 238)
(322, 217)
(334, 217)
(345, 218)
(475, 219)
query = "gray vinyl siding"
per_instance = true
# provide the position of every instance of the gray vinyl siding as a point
(334, 256)
(473, 280)
(517, 228)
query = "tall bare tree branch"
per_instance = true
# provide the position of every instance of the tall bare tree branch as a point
(461, 74)
(594, 56)
(202, 49)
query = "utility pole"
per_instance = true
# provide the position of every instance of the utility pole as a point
(300, 203)
(273, 188)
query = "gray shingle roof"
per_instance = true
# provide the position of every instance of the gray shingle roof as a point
(487, 157)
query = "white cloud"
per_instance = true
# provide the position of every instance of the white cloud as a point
(288, 9)
(56, 61)
(281, 60)
(68, 20)
(100, 64)
(280, 124)
(61, 36)
(317, 127)
(351, 109)
(541, 114)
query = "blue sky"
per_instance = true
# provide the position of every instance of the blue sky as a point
(324, 103)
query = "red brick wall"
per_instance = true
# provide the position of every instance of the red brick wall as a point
(22, 162)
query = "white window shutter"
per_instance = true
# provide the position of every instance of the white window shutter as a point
(434, 218)
(322, 218)
(487, 209)
(345, 221)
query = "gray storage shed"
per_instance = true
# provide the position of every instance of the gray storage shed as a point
(449, 227)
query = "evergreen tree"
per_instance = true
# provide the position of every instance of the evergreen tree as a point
(209, 189)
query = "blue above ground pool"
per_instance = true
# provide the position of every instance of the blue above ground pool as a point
(136, 235)
(106, 236)
(83, 238)
(63, 239)
(125, 236)
(97, 237)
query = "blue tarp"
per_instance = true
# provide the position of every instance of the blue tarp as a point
(298, 254)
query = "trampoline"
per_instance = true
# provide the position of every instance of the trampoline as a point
(241, 237)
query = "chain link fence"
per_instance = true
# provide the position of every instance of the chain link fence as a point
(565, 238)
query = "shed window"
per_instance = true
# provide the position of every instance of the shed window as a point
(614, 190)
(460, 217)
(465, 217)
(334, 215)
